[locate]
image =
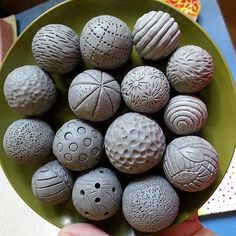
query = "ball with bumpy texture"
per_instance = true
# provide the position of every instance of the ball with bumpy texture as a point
(134, 143)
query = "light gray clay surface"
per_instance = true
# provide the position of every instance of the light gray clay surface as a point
(134, 143)
(185, 114)
(97, 194)
(78, 146)
(145, 89)
(29, 91)
(190, 69)
(94, 95)
(56, 48)
(52, 183)
(106, 42)
(150, 203)
(28, 141)
(156, 35)
(190, 163)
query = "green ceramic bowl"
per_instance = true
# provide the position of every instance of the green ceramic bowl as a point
(219, 97)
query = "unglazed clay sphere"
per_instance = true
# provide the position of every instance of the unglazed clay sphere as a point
(150, 203)
(52, 183)
(156, 35)
(56, 48)
(145, 89)
(134, 143)
(94, 95)
(185, 114)
(29, 91)
(106, 42)
(78, 146)
(190, 163)
(97, 194)
(190, 69)
(28, 141)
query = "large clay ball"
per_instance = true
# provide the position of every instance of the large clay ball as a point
(150, 203)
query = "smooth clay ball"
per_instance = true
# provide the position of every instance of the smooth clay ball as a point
(28, 141)
(52, 183)
(150, 203)
(94, 95)
(29, 91)
(190, 69)
(185, 114)
(145, 89)
(156, 35)
(106, 42)
(56, 48)
(78, 146)
(134, 143)
(190, 163)
(97, 194)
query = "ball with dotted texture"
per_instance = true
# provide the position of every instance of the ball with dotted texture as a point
(29, 91)
(106, 42)
(52, 183)
(134, 143)
(190, 163)
(78, 145)
(56, 48)
(97, 194)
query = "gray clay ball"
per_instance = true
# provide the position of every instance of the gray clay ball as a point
(56, 48)
(145, 89)
(134, 143)
(28, 141)
(190, 69)
(190, 163)
(78, 146)
(106, 42)
(52, 183)
(156, 35)
(97, 194)
(185, 114)
(29, 91)
(150, 203)
(94, 95)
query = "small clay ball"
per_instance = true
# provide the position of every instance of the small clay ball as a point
(28, 141)
(190, 163)
(29, 91)
(94, 95)
(52, 183)
(190, 69)
(150, 203)
(56, 48)
(185, 114)
(78, 146)
(156, 35)
(134, 143)
(97, 194)
(106, 42)
(145, 89)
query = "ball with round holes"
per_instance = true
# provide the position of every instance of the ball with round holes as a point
(190, 163)
(78, 145)
(97, 194)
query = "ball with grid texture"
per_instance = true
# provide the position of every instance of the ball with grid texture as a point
(29, 91)
(190, 69)
(145, 89)
(190, 163)
(156, 35)
(106, 42)
(56, 48)
(94, 95)
(134, 143)
(52, 183)
(97, 194)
